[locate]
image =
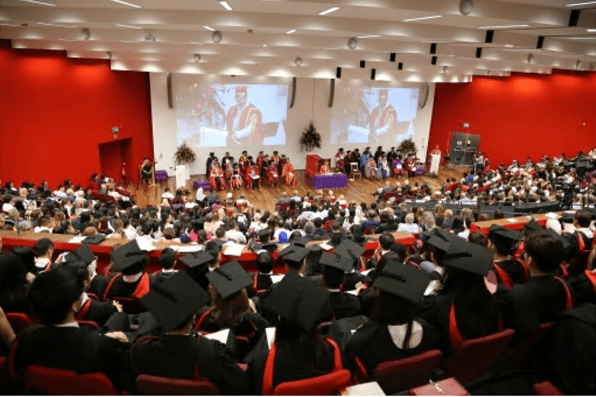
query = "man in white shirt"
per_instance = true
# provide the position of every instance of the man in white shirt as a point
(235, 235)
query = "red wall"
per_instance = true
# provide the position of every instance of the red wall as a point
(519, 116)
(54, 111)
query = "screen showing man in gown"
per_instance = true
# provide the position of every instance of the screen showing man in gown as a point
(232, 115)
(374, 115)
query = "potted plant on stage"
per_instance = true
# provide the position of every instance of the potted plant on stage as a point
(310, 139)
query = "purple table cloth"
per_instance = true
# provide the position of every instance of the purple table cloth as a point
(201, 183)
(161, 175)
(329, 181)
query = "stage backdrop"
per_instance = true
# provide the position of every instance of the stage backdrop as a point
(206, 106)
(519, 116)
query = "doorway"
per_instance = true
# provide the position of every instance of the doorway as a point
(463, 148)
(112, 156)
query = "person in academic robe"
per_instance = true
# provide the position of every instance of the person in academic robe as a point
(289, 174)
(146, 169)
(464, 308)
(276, 157)
(244, 121)
(324, 169)
(435, 161)
(227, 169)
(340, 160)
(208, 163)
(509, 270)
(132, 278)
(397, 165)
(371, 170)
(236, 178)
(299, 351)
(231, 309)
(341, 305)
(272, 174)
(226, 159)
(167, 260)
(13, 284)
(180, 353)
(249, 180)
(56, 296)
(395, 331)
(216, 177)
(383, 120)
(262, 278)
(243, 161)
(383, 166)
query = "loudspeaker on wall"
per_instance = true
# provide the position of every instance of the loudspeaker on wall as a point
(331, 91)
(169, 85)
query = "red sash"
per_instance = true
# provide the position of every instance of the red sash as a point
(526, 269)
(580, 241)
(568, 298)
(592, 277)
(270, 365)
(202, 319)
(141, 290)
(84, 310)
(454, 335)
(503, 276)
(256, 283)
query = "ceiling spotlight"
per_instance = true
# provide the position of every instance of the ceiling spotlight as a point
(196, 57)
(530, 58)
(86, 33)
(466, 6)
(216, 36)
(352, 43)
(109, 53)
(298, 61)
(149, 37)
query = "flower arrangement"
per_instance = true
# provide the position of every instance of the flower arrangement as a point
(408, 146)
(184, 155)
(310, 138)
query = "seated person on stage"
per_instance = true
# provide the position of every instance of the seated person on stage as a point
(180, 353)
(251, 178)
(56, 296)
(464, 308)
(132, 279)
(272, 174)
(395, 331)
(383, 166)
(397, 166)
(227, 169)
(243, 162)
(236, 178)
(325, 168)
(289, 173)
(341, 305)
(370, 169)
(216, 178)
(340, 160)
(299, 351)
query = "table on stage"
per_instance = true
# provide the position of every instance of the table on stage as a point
(313, 163)
(329, 181)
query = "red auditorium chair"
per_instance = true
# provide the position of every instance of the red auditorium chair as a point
(18, 321)
(406, 373)
(88, 324)
(475, 357)
(157, 385)
(545, 389)
(324, 385)
(54, 381)
(91, 295)
(521, 350)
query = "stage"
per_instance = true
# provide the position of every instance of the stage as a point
(358, 190)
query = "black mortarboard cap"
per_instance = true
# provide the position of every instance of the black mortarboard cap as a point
(197, 258)
(82, 252)
(503, 232)
(214, 243)
(566, 243)
(349, 249)
(293, 253)
(299, 241)
(94, 239)
(438, 243)
(229, 279)
(298, 300)
(403, 280)
(567, 217)
(336, 261)
(127, 255)
(175, 300)
(476, 258)
(532, 226)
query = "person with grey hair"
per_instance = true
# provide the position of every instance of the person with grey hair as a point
(309, 229)
(409, 225)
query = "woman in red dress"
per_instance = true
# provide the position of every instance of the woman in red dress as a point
(325, 168)
(272, 174)
(216, 177)
(289, 173)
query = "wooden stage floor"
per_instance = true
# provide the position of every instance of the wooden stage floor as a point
(264, 198)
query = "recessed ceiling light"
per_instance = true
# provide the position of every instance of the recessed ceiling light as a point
(584, 3)
(509, 45)
(591, 30)
(329, 11)
(55, 25)
(582, 38)
(39, 2)
(8, 24)
(128, 26)
(225, 5)
(422, 18)
(291, 31)
(209, 28)
(504, 26)
(126, 3)
(264, 45)
(368, 36)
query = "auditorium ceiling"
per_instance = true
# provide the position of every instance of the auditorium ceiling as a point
(402, 40)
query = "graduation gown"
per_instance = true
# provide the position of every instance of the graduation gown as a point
(341, 306)
(517, 271)
(177, 356)
(97, 311)
(79, 349)
(124, 288)
(260, 282)
(372, 345)
(98, 285)
(160, 277)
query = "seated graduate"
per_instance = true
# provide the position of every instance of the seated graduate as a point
(44, 250)
(545, 295)
(167, 260)
(353, 251)
(509, 270)
(132, 279)
(341, 305)
(464, 308)
(13, 284)
(198, 266)
(56, 296)
(299, 351)
(97, 283)
(231, 309)
(262, 278)
(395, 332)
(180, 353)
